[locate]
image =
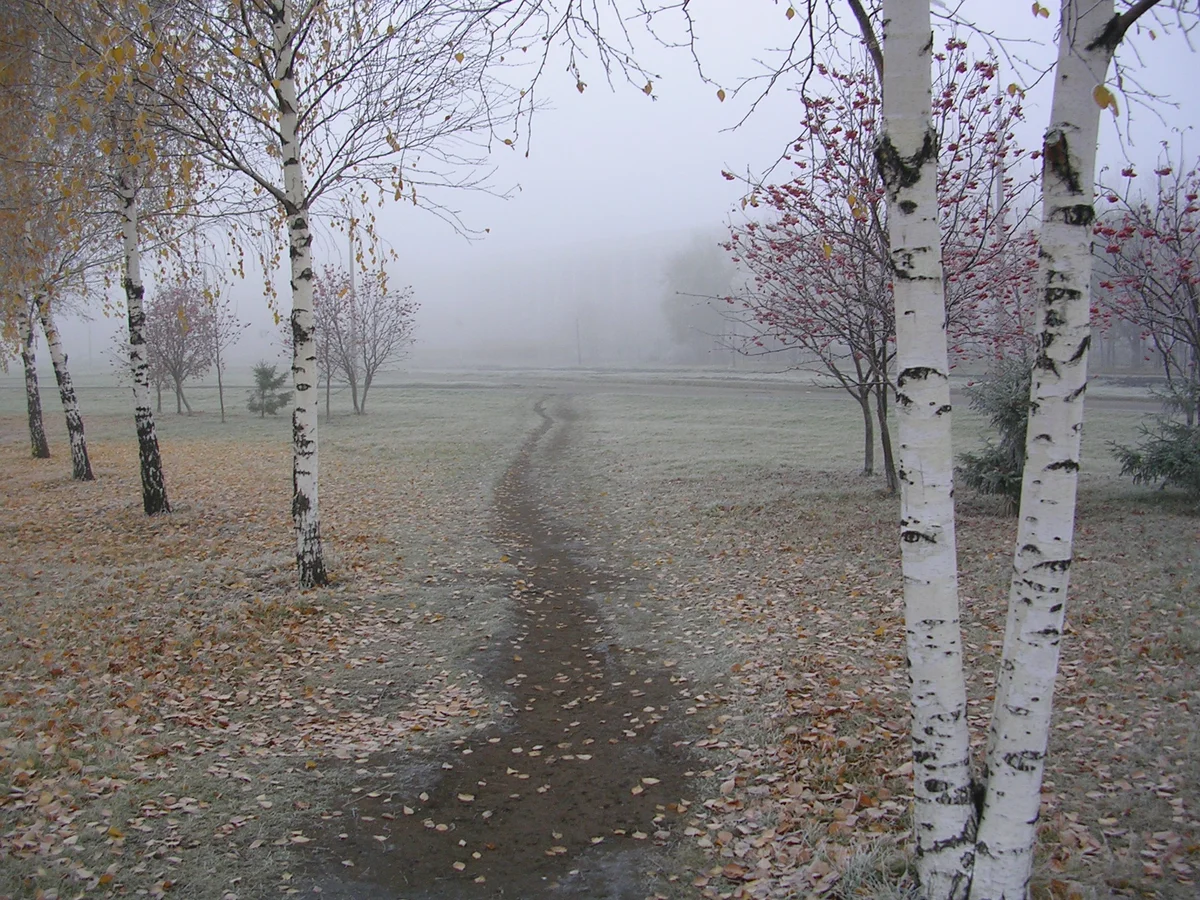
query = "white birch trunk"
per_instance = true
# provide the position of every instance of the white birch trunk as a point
(81, 466)
(154, 487)
(33, 399)
(306, 516)
(944, 812)
(1037, 601)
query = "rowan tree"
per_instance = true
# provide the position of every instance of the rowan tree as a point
(1150, 273)
(819, 256)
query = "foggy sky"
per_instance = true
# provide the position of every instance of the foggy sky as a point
(615, 182)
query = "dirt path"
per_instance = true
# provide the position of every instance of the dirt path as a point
(570, 795)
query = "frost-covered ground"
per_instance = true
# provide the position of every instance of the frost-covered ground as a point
(173, 707)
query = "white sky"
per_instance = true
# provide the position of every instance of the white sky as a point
(613, 169)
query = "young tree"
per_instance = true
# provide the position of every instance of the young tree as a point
(266, 396)
(178, 329)
(360, 328)
(224, 329)
(384, 320)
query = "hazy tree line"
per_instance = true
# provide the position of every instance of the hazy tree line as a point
(892, 250)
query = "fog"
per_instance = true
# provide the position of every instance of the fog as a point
(574, 267)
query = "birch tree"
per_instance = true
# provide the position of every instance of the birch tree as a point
(45, 235)
(98, 99)
(81, 466)
(1089, 35)
(27, 336)
(312, 99)
(975, 837)
(944, 812)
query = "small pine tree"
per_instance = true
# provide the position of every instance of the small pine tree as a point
(1004, 398)
(266, 396)
(1169, 450)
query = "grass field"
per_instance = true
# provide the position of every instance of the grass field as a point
(172, 707)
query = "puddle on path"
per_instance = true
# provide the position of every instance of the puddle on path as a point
(569, 795)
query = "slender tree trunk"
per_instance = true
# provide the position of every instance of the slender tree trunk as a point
(81, 465)
(328, 389)
(1020, 724)
(33, 398)
(354, 393)
(178, 397)
(310, 559)
(864, 402)
(158, 395)
(944, 814)
(154, 486)
(885, 438)
(220, 384)
(362, 403)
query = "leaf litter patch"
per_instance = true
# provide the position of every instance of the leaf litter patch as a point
(583, 776)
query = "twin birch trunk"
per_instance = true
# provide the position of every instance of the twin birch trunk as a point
(310, 560)
(39, 446)
(81, 465)
(944, 811)
(154, 487)
(1020, 724)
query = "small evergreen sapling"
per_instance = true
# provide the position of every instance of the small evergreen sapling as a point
(1169, 450)
(1004, 398)
(266, 396)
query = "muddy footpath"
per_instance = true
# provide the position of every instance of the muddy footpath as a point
(574, 792)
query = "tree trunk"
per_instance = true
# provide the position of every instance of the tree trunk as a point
(310, 559)
(362, 403)
(328, 388)
(944, 814)
(178, 397)
(154, 487)
(353, 379)
(220, 384)
(864, 401)
(885, 438)
(81, 465)
(158, 395)
(1037, 601)
(33, 398)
